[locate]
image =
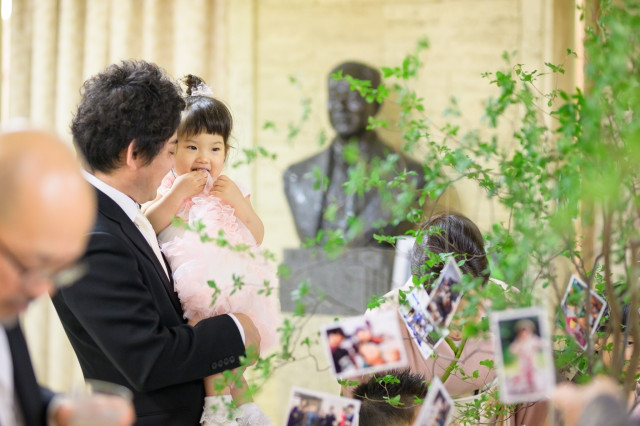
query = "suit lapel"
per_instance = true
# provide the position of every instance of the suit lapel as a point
(110, 209)
(316, 205)
(26, 389)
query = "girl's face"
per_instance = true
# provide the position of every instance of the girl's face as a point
(200, 152)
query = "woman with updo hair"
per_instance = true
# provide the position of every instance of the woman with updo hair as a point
(451, 232)
(457, 234)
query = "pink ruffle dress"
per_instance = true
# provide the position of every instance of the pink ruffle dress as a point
(194, 263)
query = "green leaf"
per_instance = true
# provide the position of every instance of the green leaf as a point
(375, 301)
(395, 401)
(284, 271)
(389, 378)
(269, 125)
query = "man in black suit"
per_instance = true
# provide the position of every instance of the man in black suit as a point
(46, 211)
(123, 318)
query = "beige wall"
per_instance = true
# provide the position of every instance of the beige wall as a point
(269, 40)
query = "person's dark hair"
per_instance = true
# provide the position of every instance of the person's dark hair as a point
(457, 234)
(337, 330)
(360, 71)
(204, 113)
(626, 310)
(604, 324)
(375, 409)
(131, 101)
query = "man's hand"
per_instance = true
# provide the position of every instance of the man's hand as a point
(251, 334)
(190, 184)
(571, 399)
(104, 410)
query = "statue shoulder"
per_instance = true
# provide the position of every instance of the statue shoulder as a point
(300, 168)
(383, 148)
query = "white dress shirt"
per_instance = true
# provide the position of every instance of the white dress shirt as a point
(130, 208)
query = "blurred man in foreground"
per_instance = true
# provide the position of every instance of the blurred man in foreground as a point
(46, 212)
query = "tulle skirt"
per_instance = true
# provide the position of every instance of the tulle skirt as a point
(213, 279)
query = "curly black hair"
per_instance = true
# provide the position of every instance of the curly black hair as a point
(375, 408)
(204, 113)
(457, 234)
(131, 101)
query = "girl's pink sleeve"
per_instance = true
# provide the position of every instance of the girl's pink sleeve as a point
(243, 188)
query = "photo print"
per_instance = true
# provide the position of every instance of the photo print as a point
(437, 408)
(428, 316)
(443, 300)
(364, 345)
(523, 354)
(574, 307)
(415, 317)
(309, 407)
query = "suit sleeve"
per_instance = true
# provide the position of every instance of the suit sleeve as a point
(120, 312)
(46, 395)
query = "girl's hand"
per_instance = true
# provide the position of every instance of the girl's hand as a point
(190, 184)
(225, 189)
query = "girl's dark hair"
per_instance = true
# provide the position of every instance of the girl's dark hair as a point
(131, 101)
(457, 234)
(204, 113)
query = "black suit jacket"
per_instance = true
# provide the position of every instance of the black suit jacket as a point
(32, 398)
(126, 325)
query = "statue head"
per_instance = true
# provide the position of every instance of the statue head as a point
(348, 111)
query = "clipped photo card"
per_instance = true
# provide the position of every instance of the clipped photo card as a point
(364, 345)
(415, 317)
(437, 408)
(443, 300)
(574, 306)
(309, 407)
(523, 354)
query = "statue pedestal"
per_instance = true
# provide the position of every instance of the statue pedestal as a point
(348, 281)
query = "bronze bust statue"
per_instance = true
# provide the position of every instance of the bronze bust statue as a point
(348, 113)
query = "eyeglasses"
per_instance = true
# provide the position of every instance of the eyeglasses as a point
(60, 277)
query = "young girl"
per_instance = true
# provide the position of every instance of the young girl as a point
(196, 191)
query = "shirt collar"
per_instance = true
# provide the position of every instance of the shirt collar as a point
(125, 202)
